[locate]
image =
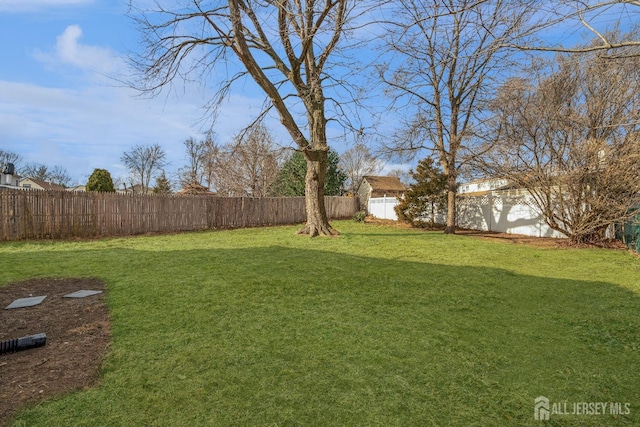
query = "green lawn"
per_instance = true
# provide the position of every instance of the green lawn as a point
(381, 326)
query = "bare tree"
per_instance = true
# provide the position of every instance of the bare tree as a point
(596, 17)
(447, 54)
(120, 183)
(211, 154)
(569, 133)
(197, 157)
(403, 175)
(9, 157)
(143, 162)
(356, 163)
(249, 165)
(58, 175)
(284, 46)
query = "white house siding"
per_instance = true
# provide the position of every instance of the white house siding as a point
(486, 184)
(9, 180)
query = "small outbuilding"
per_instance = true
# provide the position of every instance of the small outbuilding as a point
(383, 191)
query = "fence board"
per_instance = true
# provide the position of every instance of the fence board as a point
(35, 214)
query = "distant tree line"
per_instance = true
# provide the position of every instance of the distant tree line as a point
(253, 164)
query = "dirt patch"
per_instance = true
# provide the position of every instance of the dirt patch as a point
(78, 336)
(400, 224)
(540, 242)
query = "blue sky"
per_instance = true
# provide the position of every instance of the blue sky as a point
(57, 107)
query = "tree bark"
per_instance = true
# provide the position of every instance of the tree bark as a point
(451, 204)
(317, 221)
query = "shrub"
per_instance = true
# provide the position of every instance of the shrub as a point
(100, 180)
(359, 216)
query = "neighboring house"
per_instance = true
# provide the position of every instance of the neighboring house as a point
(8, 177)
(78, 188)
(479, 187)
(379, 194)
(134, 189)
(39, 184)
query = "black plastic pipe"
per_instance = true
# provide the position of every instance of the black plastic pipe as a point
(23, 343)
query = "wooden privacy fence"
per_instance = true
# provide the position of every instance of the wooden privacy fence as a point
(33, 214)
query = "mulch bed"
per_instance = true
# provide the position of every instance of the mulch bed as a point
(78, 336)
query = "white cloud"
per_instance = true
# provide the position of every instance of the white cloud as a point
(22, 6)
(69, 51)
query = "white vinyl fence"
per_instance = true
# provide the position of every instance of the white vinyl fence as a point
(492, 212)
(502, 213)
(382, 207)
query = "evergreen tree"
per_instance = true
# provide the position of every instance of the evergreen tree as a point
(163, 186)
(291, 178)
(100, 180)
(423, 196)
(334, 183)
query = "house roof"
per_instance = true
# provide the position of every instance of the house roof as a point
(384, 183)
(43, 184)
(137, 188)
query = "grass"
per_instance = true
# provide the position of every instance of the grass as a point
(381, 326)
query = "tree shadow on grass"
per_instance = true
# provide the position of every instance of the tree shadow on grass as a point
(276, 335)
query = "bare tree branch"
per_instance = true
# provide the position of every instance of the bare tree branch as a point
(587, 13)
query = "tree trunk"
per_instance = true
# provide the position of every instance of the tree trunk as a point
(433, 214)
(451, 204)
(317, 221)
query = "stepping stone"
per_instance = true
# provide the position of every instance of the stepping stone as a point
(82, 294)
(25, 302)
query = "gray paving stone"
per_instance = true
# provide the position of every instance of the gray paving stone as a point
(25, 302)
(82, 293)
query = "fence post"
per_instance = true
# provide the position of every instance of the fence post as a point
(490, 199)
